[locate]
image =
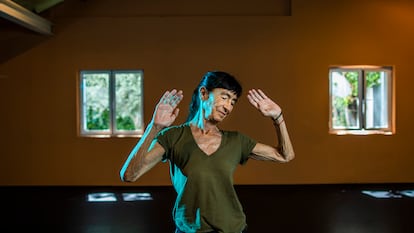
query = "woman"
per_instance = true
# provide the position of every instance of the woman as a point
(202, 157)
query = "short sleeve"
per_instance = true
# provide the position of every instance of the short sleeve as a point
(163, 139)
(168, 139)
(247, 145)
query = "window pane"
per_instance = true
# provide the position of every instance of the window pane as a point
(128, 97)
(345, 99)
(95, 92)
(376, 98)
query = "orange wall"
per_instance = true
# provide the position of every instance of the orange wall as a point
(287, 56)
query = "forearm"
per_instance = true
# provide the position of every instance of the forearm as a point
(137, 163)
(284, 146)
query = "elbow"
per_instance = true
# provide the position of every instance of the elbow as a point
(128, 179)
(285, 155)
(290, 157)
(125, 177)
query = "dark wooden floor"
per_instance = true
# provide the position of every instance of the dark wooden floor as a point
(339, 208)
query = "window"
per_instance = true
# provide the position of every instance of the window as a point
(111, 103)
(361, 100)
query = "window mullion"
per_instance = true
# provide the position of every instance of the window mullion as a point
(362, 99)
(112, 103)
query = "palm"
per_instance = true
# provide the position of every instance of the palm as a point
(166, 111)
(164, 115)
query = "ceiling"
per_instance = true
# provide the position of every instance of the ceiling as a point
(27, 14)
(37, 6)
(23, 25)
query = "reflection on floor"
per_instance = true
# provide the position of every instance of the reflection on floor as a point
(338, 208)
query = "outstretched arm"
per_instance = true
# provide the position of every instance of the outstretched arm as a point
(283, 151)
(147, 152)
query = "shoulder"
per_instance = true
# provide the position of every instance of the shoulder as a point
(173, 129)
(173, 132)
(231, 133)
(236, 135)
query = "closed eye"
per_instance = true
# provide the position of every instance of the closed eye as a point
(226, 97)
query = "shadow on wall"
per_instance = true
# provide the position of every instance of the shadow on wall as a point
(15, 40)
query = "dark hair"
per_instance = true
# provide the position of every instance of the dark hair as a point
(211, 80)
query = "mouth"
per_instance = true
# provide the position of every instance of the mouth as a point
(222, 114)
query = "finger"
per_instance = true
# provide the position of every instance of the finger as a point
(170, 94)
(258, 95)
(262, 94)
(175, 100)
(176, 111)
(164, 97)
(173, 92)
(252, 101)
(180, 93)
(254, 95)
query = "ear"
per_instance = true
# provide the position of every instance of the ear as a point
(203, 93)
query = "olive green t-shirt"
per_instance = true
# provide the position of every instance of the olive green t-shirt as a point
(206, 198)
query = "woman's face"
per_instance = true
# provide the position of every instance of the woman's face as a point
(219, 104)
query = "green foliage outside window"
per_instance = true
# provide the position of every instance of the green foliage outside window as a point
(125, 123)
(127, 100)
(97, 120)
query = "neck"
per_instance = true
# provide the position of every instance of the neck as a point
(205, 126)
(210, 131)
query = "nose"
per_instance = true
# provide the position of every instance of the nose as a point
(228, 107)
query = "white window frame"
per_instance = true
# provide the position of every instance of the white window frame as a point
(112, 131)
(361, 129)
